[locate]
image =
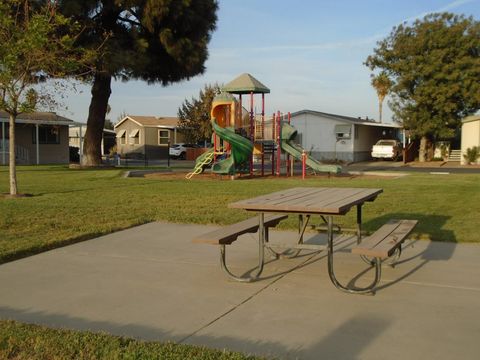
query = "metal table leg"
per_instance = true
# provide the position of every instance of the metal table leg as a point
(331, 273)
(359, 223)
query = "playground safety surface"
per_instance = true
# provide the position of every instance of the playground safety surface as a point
(151, 282)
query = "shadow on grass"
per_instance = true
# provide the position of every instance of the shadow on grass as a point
(431, 226)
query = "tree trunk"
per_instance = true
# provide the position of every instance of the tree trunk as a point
(422, 151)
(92, 154)
(11, 157)
(380, 106)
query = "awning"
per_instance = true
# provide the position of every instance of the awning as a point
(343, 129)
(121, 133)
(134, 133)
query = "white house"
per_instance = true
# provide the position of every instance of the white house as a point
(336, 137)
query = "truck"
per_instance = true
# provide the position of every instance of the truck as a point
(387, 149)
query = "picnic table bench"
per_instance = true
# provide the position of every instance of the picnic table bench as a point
(306, 202)
(228, 234)
(385, 241)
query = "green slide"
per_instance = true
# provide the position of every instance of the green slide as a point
(287, 144)
(241, 151)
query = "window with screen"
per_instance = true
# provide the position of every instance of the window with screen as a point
(46, 135)
(163, 137)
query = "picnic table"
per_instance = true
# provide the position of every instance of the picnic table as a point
(305, 202)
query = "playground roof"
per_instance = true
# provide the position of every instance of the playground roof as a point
(246, 84)
(224, 96)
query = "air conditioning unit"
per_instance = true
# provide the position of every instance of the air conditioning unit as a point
(343, 131)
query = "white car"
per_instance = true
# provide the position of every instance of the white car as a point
(387, 149)
(179, 151)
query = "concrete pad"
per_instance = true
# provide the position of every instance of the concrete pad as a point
(152, 282)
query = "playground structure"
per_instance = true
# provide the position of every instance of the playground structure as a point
(241, 136)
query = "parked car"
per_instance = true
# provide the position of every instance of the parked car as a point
(387, 149)
(179, 151)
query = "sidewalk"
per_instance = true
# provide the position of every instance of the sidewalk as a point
(152, 282)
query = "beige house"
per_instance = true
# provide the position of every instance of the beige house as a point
(470, 135)
(40, 138)
(148, 136)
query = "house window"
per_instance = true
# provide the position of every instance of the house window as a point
(122, 135)
(5, 126)
(46, 135)
(134, 137)
(163, 137)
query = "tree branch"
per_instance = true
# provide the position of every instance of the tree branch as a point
(130, 21)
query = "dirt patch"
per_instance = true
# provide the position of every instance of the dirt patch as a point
(209, 176)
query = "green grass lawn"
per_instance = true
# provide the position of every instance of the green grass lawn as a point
(31, 342)
(73, 205)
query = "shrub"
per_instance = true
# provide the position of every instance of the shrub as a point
(472, 154)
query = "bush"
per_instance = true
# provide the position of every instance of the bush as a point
(472, 155)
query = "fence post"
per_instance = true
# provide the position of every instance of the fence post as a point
(168, 155)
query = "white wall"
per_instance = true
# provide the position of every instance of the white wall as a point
(470, 135)
(318, 137)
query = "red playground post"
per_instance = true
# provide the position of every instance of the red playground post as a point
(252, 131)
(288, 155)
(304, 163)
(279, 148)
(274, 140)
(263, 134)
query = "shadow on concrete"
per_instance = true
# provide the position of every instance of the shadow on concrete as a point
(433, 252)
(349, 339)
(344, 342)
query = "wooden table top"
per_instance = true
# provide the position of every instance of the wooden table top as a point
(309, 200)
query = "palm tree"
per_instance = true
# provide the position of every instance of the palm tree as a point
(382, 85)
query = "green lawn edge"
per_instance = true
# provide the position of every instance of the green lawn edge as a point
(33, 342)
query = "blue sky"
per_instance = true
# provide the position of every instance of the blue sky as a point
(309, 53)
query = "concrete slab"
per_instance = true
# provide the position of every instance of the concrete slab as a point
(151, 282)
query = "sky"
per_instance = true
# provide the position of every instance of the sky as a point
(310, 53)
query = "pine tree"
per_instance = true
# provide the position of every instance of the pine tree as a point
(194, 115)
(158, 41)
